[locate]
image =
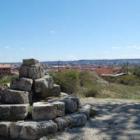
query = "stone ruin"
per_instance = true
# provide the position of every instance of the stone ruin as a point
(26, 112)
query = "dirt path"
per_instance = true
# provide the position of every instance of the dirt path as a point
(116, 120)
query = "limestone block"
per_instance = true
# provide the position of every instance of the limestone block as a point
(60, 108)
(14, 112)
(24, 84)
(32, 130)
(56, 90)
(15, 129)
(10, 96)
(4, 129)
(23, 71)
(44, 86)
(35, 72)
(30, 62)
(44, 111)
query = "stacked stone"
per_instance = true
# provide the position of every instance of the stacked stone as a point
(47, 117)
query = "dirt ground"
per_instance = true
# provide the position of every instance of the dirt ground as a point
(116, 119)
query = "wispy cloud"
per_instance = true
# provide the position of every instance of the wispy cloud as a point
(52, 32)
(6, 47)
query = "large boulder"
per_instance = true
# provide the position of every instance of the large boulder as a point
(4, 129)
(14, 112)
(10, 96)
(32, 130)
(44, 111)
(24, 84)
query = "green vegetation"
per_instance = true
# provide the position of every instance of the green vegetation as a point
(89, 84)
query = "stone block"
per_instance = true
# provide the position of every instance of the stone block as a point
(14, 112)
(44, 86)
(4, 129)
(72, 120)
(70, 105)
(24, 84)
(44, 111)
(60, 108)
(30, 62)
(56, 90)
(32, 130)
(23, 71)
(10, 96)
(35, 72)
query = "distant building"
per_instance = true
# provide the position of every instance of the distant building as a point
(5, 69)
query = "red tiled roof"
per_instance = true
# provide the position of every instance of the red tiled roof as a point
(103, 71)
(5, 66)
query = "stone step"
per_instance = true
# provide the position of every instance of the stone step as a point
(11, 112)
(47, 111)
(33, 130)
(9, 96)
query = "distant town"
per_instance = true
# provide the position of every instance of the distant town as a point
(112, 68)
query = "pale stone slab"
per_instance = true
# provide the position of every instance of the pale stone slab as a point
(10, 96)
(44, 111)
(24, 84)
(14, 112)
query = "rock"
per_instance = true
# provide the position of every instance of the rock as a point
(74, 97)
(70, 105)
(32, 130)
(10, 96)
(23, 84)
(44, 86)
(62, 94)
(62, 123)
(44, 138)
(44, 111)
(14, 112)
(4, 129)
(23, 71)
(56, 90)
(88, 110)
(15, 129)
(72, 120)
(30, 62)
(60, 108)
(35, 72)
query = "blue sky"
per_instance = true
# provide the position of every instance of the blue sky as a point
(69, 29)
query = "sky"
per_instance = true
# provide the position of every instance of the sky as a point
(50, 30)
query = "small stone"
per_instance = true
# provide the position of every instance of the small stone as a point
(24, 84)
(62, 94)
(10, 96)
(44, 111)
(14, 112)
(4, 129)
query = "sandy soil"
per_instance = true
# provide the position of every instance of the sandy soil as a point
(115, 120)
